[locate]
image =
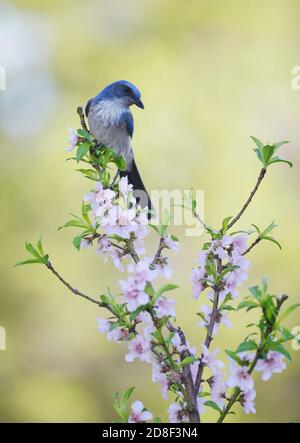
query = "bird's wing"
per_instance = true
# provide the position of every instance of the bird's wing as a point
(127, 119)
(87, 108)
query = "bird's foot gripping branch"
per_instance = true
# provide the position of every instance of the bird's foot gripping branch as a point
(143, 318)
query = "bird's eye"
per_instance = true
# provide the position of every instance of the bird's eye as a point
(127, 89)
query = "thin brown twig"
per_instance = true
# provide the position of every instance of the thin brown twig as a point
(82, 118)
(259, 180)
(76, 291)
(258, 240)
(187, 379)
(210, 329)
(157, 256)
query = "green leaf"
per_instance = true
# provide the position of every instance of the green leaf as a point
(256, 292)
(249, 345)
(256, 228)
(82, 150)
(233, 355)
(28, 261)
(278, 347)
(258, 143)
(269, 228)
(77, 241)
(188, 361)
(149, 290)
(125, 398)
(157, 420)
(121, 163)
(165, 288)
(154, 227)
(280, 160)
(135, 313)
(213, 405)
(268, 151)
(279, 144)
(225, 224)
(272, 239)
(40, 246)
(287, 312)
(84, 134)
(32, 250)
(248, 304)
(89, 173)
(73, 223)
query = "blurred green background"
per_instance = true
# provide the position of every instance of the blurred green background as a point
(211, 73)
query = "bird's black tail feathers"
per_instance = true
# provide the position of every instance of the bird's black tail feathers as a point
(140, 192)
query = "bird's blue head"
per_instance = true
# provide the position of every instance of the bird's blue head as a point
(125, 92)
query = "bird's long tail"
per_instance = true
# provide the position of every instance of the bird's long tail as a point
(140, 192)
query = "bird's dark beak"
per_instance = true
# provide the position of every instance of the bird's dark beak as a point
(139, 103)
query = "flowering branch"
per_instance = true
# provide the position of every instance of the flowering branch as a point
(144, 319)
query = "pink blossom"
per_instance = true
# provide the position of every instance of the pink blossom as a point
(141, 272)
(103, 246)
(117, 257)
(170, 243)
(201, 259)
(101, 199)
(226, 241)
(247, 401)
(218, 390)
(165, 307)
(84, 244)
(239, 377)
(115, 334)
(200, 404)
(138, 348)
(124, 187)
(138, 414)
(160, 377)
(198, 283)
(119, 221)
(239, 244)
(209, 360)
(177, 414)
(273, 363)
(221, 319)
(176, 342)
(133, 293)
(103, 325)
(163, 266)
(73, 139)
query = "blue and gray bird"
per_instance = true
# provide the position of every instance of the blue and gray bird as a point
(111, 123)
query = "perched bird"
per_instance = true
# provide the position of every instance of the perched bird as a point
(111, 123)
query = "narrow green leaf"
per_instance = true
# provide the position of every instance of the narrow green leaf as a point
(281, 160)
(249, 345)
(213, 405)
(248, 304)
(272, 239)
(188, 361)
(287, 312)
(165, 288)
(258, 143)
(40, 246)
(28, 261)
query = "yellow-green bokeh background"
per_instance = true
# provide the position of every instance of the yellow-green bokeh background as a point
(212, 73)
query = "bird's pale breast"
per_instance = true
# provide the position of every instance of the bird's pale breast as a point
(107, 127)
